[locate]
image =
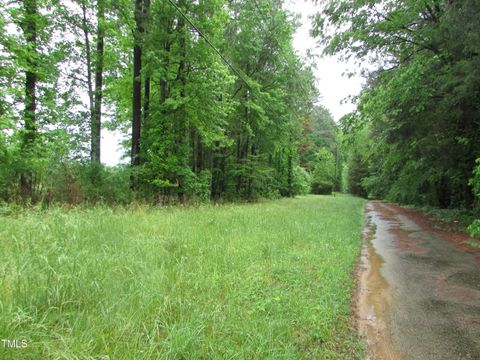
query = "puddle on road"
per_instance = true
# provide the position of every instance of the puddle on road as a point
(373, 299)
(403, 268)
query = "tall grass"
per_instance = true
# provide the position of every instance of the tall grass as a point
(254, 281)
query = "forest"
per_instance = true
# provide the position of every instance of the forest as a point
(213, 102)
(415, 136)
(211, 97)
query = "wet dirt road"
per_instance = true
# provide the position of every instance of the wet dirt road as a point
(419, 288)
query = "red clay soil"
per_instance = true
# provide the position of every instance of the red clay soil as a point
(421, 306)
(406, 244)
(457, 238)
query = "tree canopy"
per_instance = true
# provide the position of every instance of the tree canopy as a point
(211, 99)
(415, 135)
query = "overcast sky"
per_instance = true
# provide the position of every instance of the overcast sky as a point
(333, 85)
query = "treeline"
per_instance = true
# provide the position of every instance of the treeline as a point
(415, 137)
(210, 96)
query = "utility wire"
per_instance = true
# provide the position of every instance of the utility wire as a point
(225, 60)
(259, 11)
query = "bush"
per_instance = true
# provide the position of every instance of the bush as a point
(8, 176)
(301, 181)
(75, 183)
(323, 173)
(474, 228)
(322, 187)
(475, 181)
(198, 186)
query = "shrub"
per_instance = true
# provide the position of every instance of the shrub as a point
(474, 228)
(301, 181)
(74, 183)
(198, 186)
(322, 187)
(324, 173)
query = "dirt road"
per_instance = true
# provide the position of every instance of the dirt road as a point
(419, 288)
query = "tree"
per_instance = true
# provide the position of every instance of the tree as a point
(137, 85)
(96, 119)
(323, 176)
(215, 107)
(421, 104)
(320, 131)
(29, 27)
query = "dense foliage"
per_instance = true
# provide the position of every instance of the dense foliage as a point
(211, 98)
(415, 135)
(474, 228)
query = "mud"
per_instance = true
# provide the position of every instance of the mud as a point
(419, 288)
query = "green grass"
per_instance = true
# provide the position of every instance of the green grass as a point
(257, 281)
(450, 219)
(473, 243)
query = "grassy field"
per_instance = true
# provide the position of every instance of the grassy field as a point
(255, 281)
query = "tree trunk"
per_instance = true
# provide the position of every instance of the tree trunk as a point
(290, 171)
(137, 90)
(222, 185)
(30, 127)
(239, 164)
(251, 170)
(146, 101)
(96, 124)
(181, 128)
(193, 150)
(88, 56)
(200, 153)
(146, 88)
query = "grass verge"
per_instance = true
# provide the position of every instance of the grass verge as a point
(450, 219)
(473, 243)
(254, 281)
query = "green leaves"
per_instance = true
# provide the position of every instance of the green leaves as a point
(420, 110)
(204, 129)
(475, 181)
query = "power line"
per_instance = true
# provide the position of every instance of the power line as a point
(225, 60)
(259, 11)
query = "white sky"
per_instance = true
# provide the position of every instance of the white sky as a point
(111, 151)
(332, 84)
